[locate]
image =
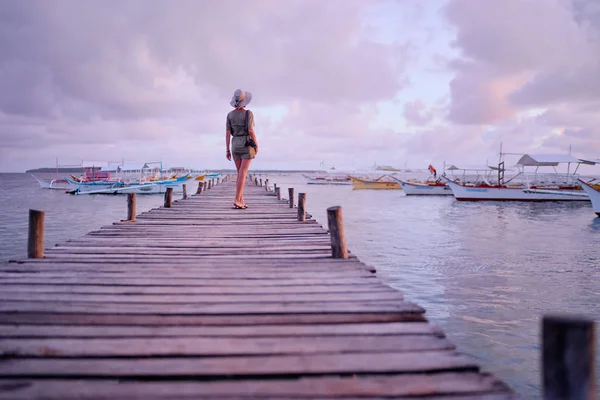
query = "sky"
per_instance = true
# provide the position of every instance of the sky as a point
(345, 84)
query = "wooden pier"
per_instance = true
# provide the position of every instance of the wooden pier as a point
(198, 300)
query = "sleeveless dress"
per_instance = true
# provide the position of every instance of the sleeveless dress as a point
(236, 124)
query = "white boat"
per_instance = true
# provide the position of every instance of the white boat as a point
(594, 193)
(138, 187)
(435, 188)
(533, 186)
(56, 184)
(327, 180)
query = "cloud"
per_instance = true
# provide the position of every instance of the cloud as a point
(145, 70)
(525, 73)
(517, 54)
(416, 113)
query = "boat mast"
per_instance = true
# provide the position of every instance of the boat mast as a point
(500, 167)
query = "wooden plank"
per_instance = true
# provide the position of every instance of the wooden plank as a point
(50, 318)
(315, 330)
(183, 298)
(355, 307)
(217, 346)
(201, 274)
(448, 384)
(237, 366)
(144, 281)
(199, 290)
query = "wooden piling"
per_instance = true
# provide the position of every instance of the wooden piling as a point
(35, 241)
(336, 231)
(261, 183)
(256, 181)
(302, 207)
(199, 190)
(278, 192)
(267, 184)
(291, 196)
(131, 205)
(169, 198)
(568, 364)
(185, 195)
(209, 185)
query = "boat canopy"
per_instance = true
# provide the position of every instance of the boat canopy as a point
(482, 167)
(133, 167)
(550, 160)
(94, 164)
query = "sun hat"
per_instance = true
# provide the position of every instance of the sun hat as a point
(240, 98)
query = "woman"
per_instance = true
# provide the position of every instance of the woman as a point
(239, 128)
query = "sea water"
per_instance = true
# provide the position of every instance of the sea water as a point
(485, 271)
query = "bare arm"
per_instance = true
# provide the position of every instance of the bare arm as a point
(227, 142)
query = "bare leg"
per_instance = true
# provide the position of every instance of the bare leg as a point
(238, 165)
(241, 181)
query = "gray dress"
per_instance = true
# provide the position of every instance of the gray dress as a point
(236, 124)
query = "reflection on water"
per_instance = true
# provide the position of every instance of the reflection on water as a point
(486, 272)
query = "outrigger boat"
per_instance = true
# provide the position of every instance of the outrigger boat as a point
(139, 187)
(532, 186)
(56, 184)
(381, 183)
(432, 186)
(593, 191)
(327, 180)
(435, 188)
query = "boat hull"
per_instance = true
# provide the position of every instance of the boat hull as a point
(482, 193)
(419, 189)
(157, 187)
(361, 184)
(594, 195)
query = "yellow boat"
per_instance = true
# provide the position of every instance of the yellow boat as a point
(375, 184)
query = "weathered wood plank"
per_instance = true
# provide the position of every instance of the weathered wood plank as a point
(200, 290)
(355, 307)
(183, 298)
(217, 346)
(272, 366)
(49, 318)
(447, 384)
(144, 281)
(315, 330)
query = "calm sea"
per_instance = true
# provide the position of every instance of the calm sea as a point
(485, 271)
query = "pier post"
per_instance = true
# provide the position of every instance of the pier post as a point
(209, 184)
(218, 181)
(169, 198)
(261, 182)
(302, 207)
(291, 196)
(256, 181)
(267, 184)
(185, 196)
(204, 185)
(275, 188)
(35, 240)
(336, 231)
(568, 364)
(199, 190)
(131, 200)
(278, 192)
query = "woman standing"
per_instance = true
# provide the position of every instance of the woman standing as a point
(239, 129)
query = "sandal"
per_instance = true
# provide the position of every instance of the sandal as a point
(236, 207)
